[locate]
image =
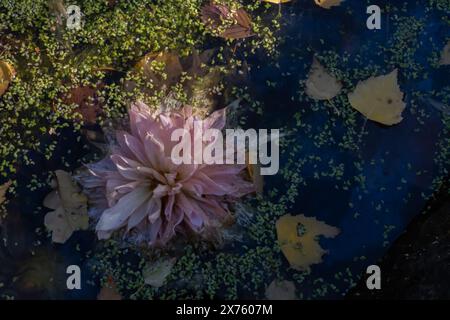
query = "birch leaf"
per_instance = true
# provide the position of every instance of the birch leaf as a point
(379, 99)
(298, 239)
(321, 85)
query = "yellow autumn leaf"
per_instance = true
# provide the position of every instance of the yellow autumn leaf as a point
(277, 1)
(379, 99)
(70, 208)
(7, 73)
(321, 85)
(298, 239)
(445, 55)
(327, 4)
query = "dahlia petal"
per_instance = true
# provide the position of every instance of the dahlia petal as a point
(150, 209)
(115, 217)
(154, 151)
(131, 146)
(200, 183)
(215, 120)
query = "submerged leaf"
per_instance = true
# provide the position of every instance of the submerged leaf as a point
(156, 273)
(298, 239)
(281, 290)
(445, 55)
(70, 209)
(379, 99)
(321, 85)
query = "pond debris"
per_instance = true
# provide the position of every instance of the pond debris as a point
(281, 290)
(321, 85)
(156, 273)
(445, 55)
(298, 239)
(379, 99)
(327, 4)
(226, 22)
(70, 208)
(7, 73)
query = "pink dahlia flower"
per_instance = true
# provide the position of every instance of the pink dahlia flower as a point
(147, 195)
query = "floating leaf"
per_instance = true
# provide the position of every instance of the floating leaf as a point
(156, 273)
(70, 209)
(7, 73)
(327, 4)
(298, 239)
(228, 23)
(3, 188)
(379, 99)
(281, 290)
(321, 85)
(445, 55)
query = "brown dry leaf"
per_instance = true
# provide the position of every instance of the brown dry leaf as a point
(109, 291)
(321, 85)
(231, 24)
(87, 100)
(298, 239)
(445, 55)
(70, 209)
(7, 73)
(281, 290)
(379, 99)
(3, 189)
(327, 4)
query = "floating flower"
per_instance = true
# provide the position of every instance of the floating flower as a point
(150, 198)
